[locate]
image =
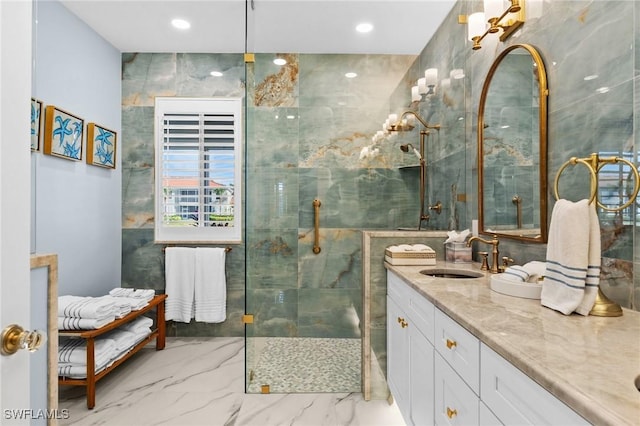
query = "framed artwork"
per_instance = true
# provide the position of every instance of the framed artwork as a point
(62, 134)
(36, 124)
(101, 146)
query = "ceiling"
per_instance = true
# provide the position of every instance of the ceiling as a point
(272, 26)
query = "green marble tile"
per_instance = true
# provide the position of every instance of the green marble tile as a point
(329, 313)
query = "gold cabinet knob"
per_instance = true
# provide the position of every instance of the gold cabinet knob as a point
(451, 344)
(402, 322)
(15, 338)
(451, 413)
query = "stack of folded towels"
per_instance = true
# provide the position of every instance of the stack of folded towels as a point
(137, 298)
(84, 313)
(87, 313)
(108, 348)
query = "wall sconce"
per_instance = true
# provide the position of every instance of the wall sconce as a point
(508, 20)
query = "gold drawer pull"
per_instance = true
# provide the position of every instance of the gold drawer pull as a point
(451, 344)
(451, 413)
(402, 322)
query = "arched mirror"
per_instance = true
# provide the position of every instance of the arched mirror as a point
(512, 147)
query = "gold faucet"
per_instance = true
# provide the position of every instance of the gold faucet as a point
(494, 252)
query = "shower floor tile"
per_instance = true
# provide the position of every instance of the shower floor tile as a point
(304, 364)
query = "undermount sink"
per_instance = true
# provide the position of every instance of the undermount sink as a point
(637, 382)
(525, 290)
(450, 273)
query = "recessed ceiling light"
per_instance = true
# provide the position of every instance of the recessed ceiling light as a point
(364, 27)
(351, 75)
(216, 73)
(181, 24)
(279, 61)
(590, 77)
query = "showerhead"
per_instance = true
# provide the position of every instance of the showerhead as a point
(404, 147)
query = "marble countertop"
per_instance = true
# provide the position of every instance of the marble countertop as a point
(589, 363)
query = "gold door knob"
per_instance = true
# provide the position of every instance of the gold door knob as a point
(451, 413)
(451, 344)
(15, 337)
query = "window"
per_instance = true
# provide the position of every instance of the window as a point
(198, 169)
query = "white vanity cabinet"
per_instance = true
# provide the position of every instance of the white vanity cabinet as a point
(439, 373)
(516, 399)
(457, 373)
(410, 352)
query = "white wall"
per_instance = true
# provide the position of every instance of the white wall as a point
(78, 206)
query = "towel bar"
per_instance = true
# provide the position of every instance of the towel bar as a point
(226, 249)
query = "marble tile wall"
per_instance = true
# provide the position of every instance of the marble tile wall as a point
(305, 127)
(316, 154)
(576, 39)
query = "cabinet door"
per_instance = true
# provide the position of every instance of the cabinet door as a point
(517, 399)
(398, 356)
(455, 402)
(487, 418)
(422, 402)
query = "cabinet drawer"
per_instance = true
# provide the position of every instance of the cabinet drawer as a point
(419, 310)
(516, 399)
(455, 402)
(459, 348)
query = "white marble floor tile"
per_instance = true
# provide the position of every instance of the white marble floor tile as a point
(200, 381)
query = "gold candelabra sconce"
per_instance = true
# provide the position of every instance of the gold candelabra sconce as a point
(494, 20)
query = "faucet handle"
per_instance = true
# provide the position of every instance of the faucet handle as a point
(485, 261)
(506, 261)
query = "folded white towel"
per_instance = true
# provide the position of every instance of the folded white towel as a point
(122, 305)
(515, 273)
(85, 307)
(179, 276)
(567, 256)
(138, 324)
(70, 323)
(136, 293)
(535, 269)
(210, 285)
(78, 371)
(74, 351)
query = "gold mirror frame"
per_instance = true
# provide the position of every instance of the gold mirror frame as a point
(541, 237)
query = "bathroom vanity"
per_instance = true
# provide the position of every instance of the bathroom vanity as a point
(460, 353)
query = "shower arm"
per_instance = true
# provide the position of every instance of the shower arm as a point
(398, 126)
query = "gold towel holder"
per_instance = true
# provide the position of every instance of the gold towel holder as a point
(226, 249)
(595, 163)
(602, 307)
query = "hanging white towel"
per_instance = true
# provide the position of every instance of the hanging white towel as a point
(179, 278)
(210, 285)
(563, 288)
(592, 281)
